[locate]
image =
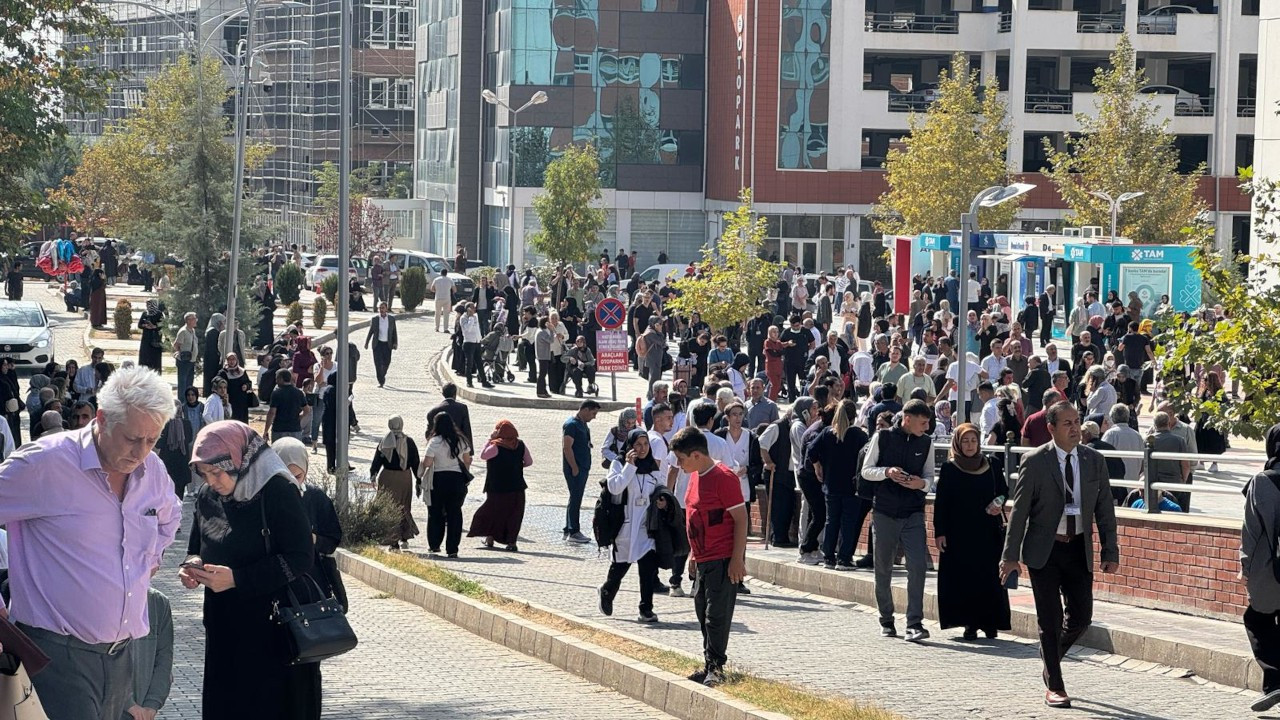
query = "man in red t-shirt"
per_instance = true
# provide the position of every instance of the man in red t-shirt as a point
(717, 520)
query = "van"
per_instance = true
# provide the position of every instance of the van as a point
(666, 273)
(431, 265)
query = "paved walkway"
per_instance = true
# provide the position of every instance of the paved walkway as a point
(409, 665)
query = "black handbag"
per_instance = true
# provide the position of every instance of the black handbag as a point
(315, 631)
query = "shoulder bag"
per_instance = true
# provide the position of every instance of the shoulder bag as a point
(315, 631)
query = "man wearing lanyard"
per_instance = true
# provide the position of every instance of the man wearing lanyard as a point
(89, 513)
(1062, 490)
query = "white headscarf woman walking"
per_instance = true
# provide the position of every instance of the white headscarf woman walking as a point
(394, 470)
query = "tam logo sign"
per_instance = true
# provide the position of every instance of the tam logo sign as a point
(1140, 254)
(1077, 254)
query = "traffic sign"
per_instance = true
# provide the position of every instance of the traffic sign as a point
(611, 351)
(611, 313)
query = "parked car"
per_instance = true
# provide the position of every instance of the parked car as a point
(1163, 20)
(326, 264)
(431, 265)
(1185, 102)
(27, 254)
(25, 333)
(666, 272)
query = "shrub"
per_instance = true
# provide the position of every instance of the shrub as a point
(329, 287)
(482, 273)
(319, 311)
(413, 288)
(123, 319)
(368, 518)
(288, 281)
(294, 313)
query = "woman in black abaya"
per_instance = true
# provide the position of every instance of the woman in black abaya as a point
(968, 531)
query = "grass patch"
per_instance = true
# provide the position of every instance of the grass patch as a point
(771, 695)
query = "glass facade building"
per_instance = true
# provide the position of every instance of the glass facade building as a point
(804, 75)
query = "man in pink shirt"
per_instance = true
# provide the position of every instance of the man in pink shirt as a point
(89, 513)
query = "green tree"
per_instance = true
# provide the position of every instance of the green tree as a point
(735, 280)
(570, 221)
(42, 80)
(533, 152)
(952, 152)
(1123, 147)
(632, 139)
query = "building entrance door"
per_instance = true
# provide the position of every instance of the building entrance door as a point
(801, 252)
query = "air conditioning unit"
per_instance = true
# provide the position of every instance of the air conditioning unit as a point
(1092, 231)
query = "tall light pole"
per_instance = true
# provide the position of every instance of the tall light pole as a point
(342, 392)
(990, 197)
(1115, 206)
(492, 98)
(242, 126)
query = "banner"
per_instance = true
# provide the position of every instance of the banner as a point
(611, 351)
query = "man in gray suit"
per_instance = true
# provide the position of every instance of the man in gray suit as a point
(1062, 491)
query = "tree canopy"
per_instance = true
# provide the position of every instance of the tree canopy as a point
(1125, 147)
(953, 151)
(566, 207)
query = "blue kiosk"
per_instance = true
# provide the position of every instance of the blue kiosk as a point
(1149, 270)
(939, 254)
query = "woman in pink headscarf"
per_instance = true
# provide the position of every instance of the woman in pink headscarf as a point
(250, 542)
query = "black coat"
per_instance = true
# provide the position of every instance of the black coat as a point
(667, 528)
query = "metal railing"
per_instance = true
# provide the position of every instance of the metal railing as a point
(907, 102)
(1246, 107)
(1006, 22)
(906, 22)
(1158, 25)
(1048, 104)
(1112, 23)
(1193, 107)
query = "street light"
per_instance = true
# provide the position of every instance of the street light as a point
(1115, 206)
(990, 197)
(490, 97)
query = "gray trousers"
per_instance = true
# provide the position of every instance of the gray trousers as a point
(888, 533)
(82, 681)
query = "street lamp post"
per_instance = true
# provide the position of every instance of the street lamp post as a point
(1115, 206)
(990, 197)
(343, 336)
(490, 97)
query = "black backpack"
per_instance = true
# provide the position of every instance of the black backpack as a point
(609, 516)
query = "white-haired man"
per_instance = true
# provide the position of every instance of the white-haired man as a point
(89, 513)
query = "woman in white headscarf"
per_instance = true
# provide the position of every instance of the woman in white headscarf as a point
(326, 531)
(394, 470)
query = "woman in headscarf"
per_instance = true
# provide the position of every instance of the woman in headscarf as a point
(212, 352)
(864, 322)
(499, 519)
(239, 387)
(266, 314)
(250, 541)
(98, 299)
(217, 405)
(152, 344)
(968, 530)
(304, 361)
(35, 406)
(611, 450)
(394, 470)
(1258, 541)
(177, 439)
(326, 531)
(633, 478)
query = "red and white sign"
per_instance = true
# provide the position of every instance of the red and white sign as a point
(611, 351)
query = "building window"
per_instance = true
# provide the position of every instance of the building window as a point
(405, 29)
(678, 233)
(804, 74)
(404, 94)
(377, 92)
(378, 30)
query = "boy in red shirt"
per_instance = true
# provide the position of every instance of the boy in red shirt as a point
(717, 520)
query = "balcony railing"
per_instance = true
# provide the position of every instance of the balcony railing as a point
(1158, 25)
(908, 102)
(899, 22)
(1195, 106)
(1100, 23)
(1006, 22)
(1246, 107)
(1048, 103)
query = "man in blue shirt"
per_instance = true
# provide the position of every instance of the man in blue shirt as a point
(577, 465)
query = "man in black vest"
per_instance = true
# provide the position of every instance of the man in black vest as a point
(900, 463)
(775, 447)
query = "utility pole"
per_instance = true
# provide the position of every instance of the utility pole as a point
(345, 379)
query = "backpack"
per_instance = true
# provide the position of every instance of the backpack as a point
(608, 517)
(865, 489)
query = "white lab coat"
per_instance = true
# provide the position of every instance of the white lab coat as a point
(633, 540)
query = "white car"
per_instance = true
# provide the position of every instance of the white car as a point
(431, 265)
(25, 333)
(666, 273)
(1163, 20)
(1185, 102)
(326, 264)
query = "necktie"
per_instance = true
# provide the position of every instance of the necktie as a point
(1071, 496)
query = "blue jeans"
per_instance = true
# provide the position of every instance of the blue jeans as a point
(577, 486)
(842, 515)
(186, 376)
(317, 413)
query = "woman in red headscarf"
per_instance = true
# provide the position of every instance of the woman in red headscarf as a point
(498, 520)
(304, 361)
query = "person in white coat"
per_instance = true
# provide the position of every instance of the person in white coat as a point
(638, 474)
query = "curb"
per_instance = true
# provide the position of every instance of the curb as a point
(484, 397)
(640, 681)
(1219, 665)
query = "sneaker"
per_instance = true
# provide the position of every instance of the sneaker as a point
(888, 631)
(647, 617)
(743, 589)
(714, 678)
(676, 591)
(810, 558)
(1266, 702)
(578, 538)
(843, 566)
(697, 675)
(453, 555)
(606, 602)
(916, 634)
(660, 588)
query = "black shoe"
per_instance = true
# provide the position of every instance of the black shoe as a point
(743, 589)
(453, 554)
(714, 678)
(991, 634)
(606, 601)
(888, 631)
(487, 386)
(970, 634)
(864, 563)
(577, 393)
(785, 545)
(660, 588)
(469, 383)
(829, 564)
(1266, 702)
(844, 566)
(698, 675)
